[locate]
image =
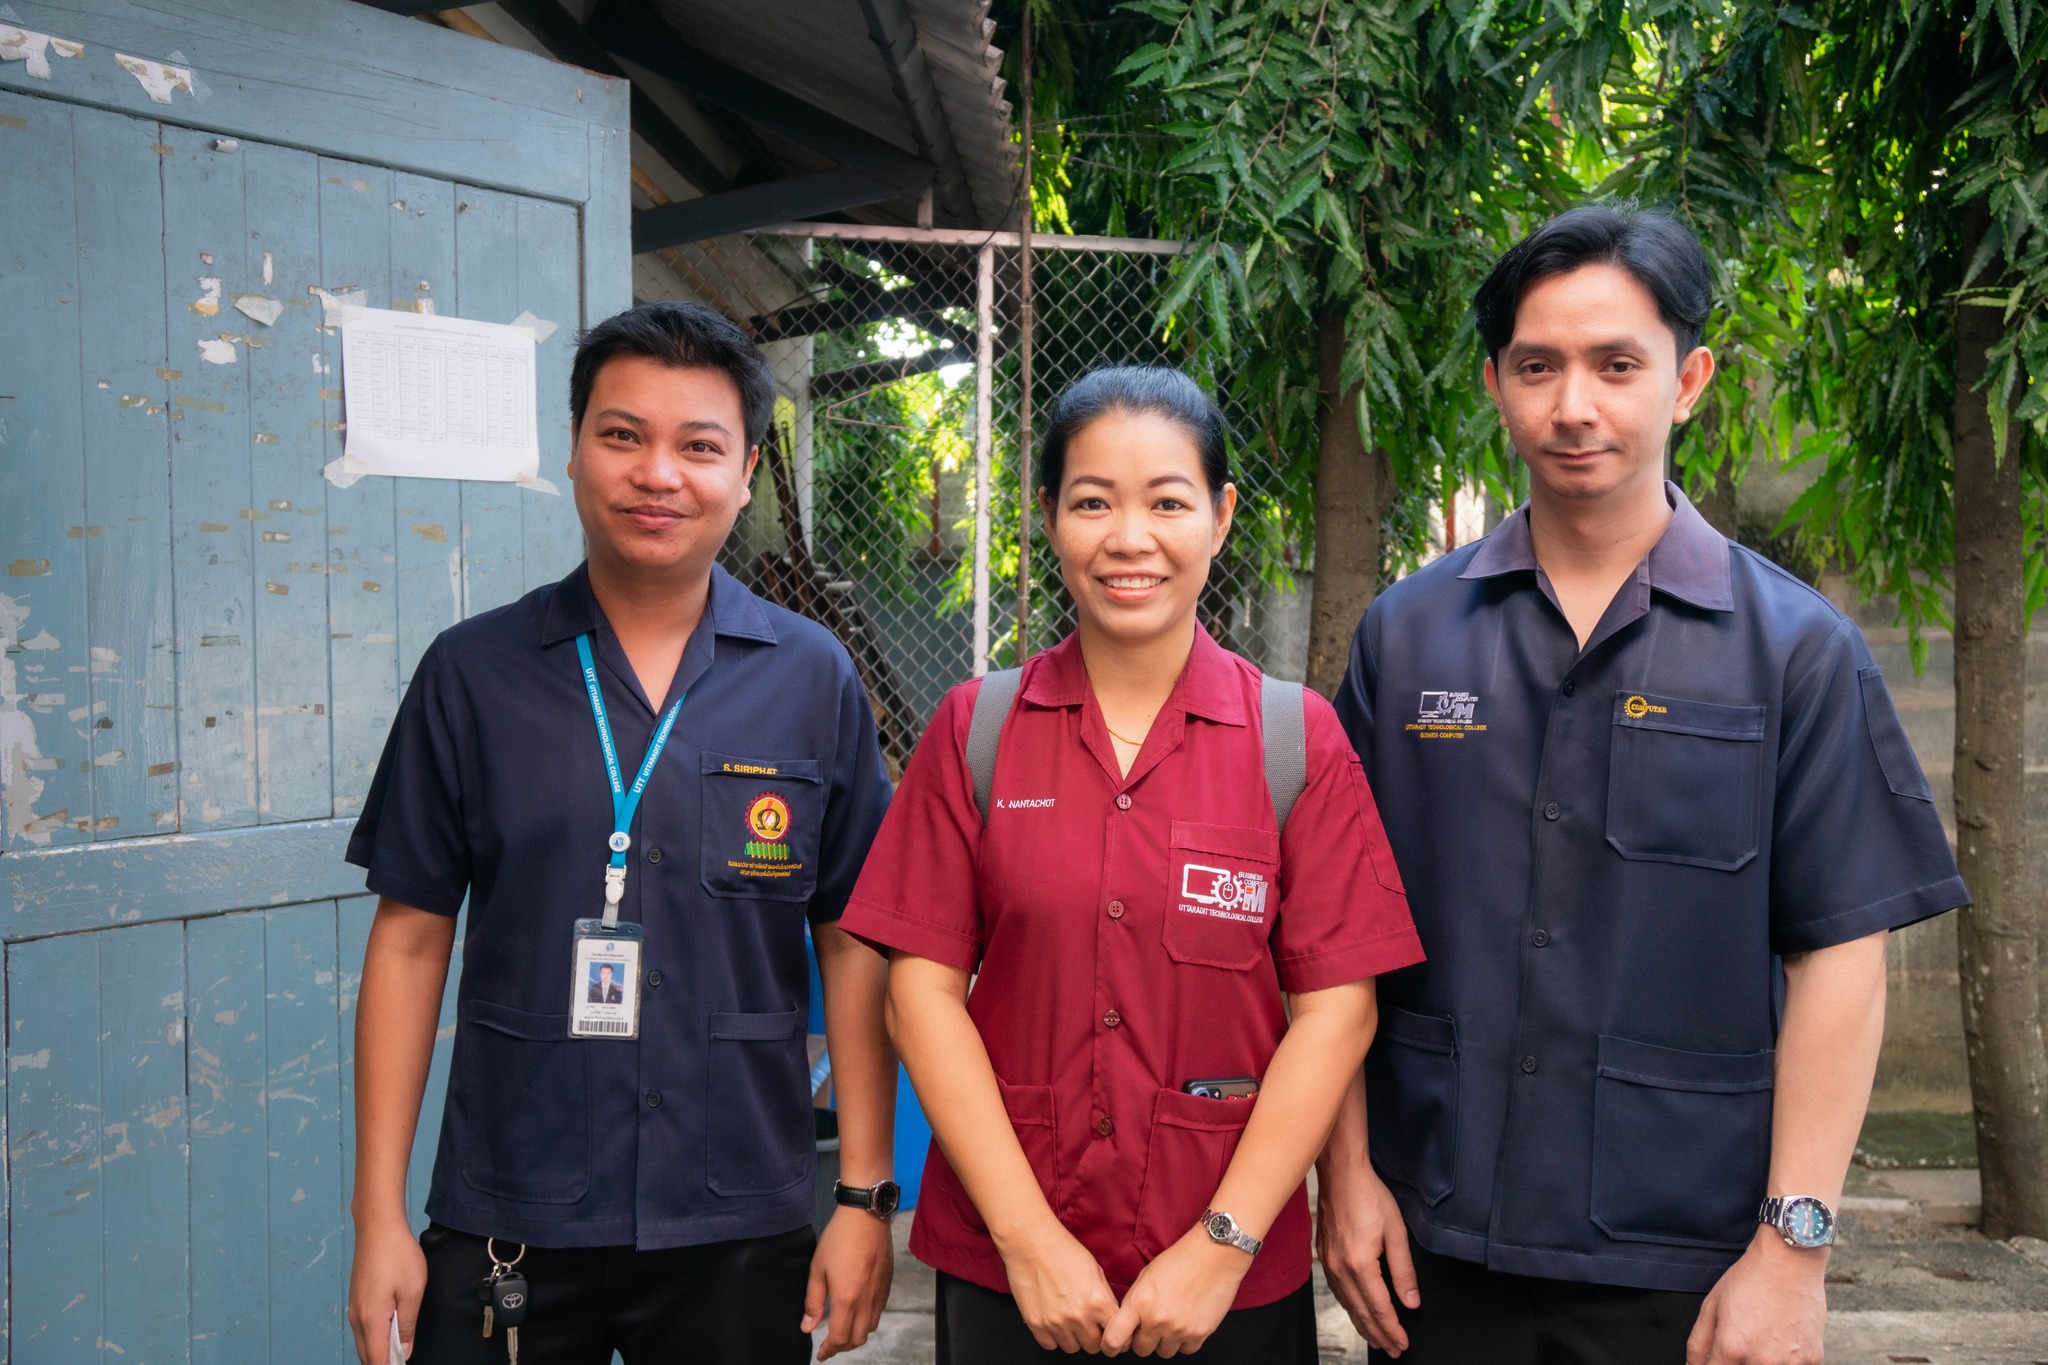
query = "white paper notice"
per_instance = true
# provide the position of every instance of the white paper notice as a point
(438, 398)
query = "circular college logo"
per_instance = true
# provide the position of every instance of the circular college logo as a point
(1636, 708)
(768, 818)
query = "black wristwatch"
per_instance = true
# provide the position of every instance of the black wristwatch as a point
(880, 1198)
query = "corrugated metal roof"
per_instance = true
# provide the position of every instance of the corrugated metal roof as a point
(820, 51)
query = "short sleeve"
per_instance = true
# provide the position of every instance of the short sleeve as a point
(1857, 846)
(410, 837)
(854, 803)
(1343, 913)
(917, 893)
(1354, 698)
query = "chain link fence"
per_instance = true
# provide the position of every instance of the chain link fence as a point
(888, 502)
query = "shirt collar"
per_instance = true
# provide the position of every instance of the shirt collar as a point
(733, 610)
(1210, 686)
(1689, 561)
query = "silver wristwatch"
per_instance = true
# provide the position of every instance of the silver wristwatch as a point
(1802, 1220)
(1222, 1228)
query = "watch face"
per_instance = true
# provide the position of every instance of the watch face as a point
(886, 1197)
(1221, 1227)
(1808, 1222)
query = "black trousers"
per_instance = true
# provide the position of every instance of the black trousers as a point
(728, 1303)
(1474, 1316)
(977, 1326)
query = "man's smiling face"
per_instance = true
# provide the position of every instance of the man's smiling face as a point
(1590, 383)
(660, 466)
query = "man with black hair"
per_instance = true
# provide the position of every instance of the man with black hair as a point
(642, 769)
(1656, 816)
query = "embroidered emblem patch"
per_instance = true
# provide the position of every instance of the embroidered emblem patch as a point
(768, 822)
(1447, 715)
(1223, 894)
(1638, 707)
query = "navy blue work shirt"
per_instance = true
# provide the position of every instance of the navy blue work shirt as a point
(493, 784)
(1606, 851)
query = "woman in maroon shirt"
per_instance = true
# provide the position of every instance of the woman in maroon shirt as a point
(1134, 916)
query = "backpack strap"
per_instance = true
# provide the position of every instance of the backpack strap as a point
(985, 730)
(1284, 723)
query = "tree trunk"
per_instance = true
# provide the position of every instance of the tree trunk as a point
(1999, 935)
(1354, 489)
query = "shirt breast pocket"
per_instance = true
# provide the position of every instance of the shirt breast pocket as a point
(1685, 781)
(1221, 894)
(761, 828)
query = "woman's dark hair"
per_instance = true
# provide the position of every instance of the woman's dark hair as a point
(1128, 390)
(1652, 247)
(686, 335)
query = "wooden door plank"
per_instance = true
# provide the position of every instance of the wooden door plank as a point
(308, 1275)
(45, 760)
(487, 289)
(550, 275)
(57, 890)
(55, 1149)
(225, 1085)
(280, 256)
(126, 393)
(608, 226)
(431, 544)
(146, 1214)
(355, 253)
(213, 526)
(417, 97)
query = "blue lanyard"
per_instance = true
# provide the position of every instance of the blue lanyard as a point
(624, 801)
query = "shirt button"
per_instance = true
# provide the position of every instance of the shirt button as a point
(1541, 938)
(1569, 687)
(1123, 800)
(1528, 1065)
(1110, 1018)
(654, 977)
(653, 855)
(654, 1099)
(1552, 811)
(1105, 1125)
(1116, 909)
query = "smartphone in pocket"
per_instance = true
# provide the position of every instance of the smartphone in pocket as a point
(1222, 1088)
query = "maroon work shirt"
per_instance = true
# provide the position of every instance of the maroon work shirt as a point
(1131, 934)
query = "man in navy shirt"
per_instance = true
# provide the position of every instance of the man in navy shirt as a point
(1656, 815)
(646, 777)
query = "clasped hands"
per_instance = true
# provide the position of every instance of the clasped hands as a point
(1177, 1301)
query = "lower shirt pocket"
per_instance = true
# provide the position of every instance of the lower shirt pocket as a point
(520, 1100)
(1681, 1144)
(759, 1133)
(1411, 1089)
(1191, 1145)
(1030, 1111)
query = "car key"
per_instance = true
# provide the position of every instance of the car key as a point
(508, 1305)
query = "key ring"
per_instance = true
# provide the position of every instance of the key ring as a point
(491, 1250)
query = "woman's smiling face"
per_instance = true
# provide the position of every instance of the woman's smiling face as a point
(1135, 525)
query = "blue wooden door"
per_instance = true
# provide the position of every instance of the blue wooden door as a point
(203, 640)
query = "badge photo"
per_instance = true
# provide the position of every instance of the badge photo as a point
(604, 981)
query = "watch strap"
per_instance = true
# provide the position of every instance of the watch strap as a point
(1230, 1234)
(866, 1197)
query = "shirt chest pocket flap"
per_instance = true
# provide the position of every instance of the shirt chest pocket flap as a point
(1221, 894)
(762, 829)
(1685, 781)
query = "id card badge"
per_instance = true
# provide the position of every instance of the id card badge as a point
(604, 983)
